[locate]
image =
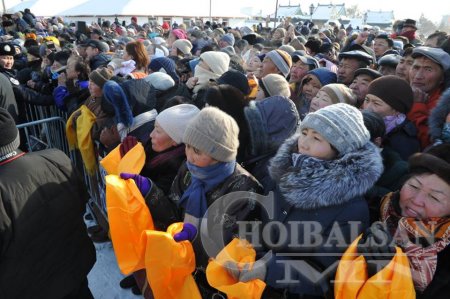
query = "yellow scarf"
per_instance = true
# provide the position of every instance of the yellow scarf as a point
(132, 162)
(239, 251)
(80, 137)
(393, 281)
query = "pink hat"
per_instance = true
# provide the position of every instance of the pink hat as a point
(180, 34)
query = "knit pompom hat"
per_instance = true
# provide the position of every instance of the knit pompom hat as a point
(175, 119)
(114, 94)
(215, 133)
(9, 135)
(393, 91)
(183, 45)
(100, 76)
(218, 62)
(341, 125)
(282, 60)
(339, 93)
(276, 85)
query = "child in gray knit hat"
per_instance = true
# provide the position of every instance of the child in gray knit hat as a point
(320, 177)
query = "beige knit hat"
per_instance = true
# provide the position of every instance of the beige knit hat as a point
(339, 93)
(100, 76)
(276, 85)
(215, 133)
(183, 45)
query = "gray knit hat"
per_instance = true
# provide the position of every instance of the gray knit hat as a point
(9, 135)
(183, 45)
(174, 120)
(341, 125)
(276, 85)
(215, 133)
(282, 61)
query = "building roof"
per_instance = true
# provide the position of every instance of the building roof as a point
(328, 11)
(380, 17)
(288, 11)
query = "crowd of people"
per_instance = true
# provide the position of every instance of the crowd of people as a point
(346, 132)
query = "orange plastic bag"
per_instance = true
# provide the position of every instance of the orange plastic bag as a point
(239, 251)
(132, 162)
(169, 265)
(393, 281)
(128, 217)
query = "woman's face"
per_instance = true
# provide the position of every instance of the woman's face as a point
(424, 196)
(312, 144)
(198, 158)
(253, 64)
(377, 105)
(160, 140)
(311, 87)
(322, 99)
(71, 73)
(95, 90)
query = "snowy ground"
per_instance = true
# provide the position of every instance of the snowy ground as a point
(105, 276)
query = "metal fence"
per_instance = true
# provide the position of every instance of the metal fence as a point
(46, 128)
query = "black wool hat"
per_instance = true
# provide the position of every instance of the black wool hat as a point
(235, 79)
(393, 91)
(9, 135)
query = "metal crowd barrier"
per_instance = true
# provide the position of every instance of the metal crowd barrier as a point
(45, 128)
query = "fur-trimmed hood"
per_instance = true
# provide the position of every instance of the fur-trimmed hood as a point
(437, 117)
(317, 183)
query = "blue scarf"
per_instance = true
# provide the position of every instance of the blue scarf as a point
(203, 180)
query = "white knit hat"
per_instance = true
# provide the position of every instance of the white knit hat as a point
(160, 81)
(215, 133)
(183, 45)
(341, 125)
(276, 85)
(174, 120)
(218, 62)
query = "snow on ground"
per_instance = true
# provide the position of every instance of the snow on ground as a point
(105, 276)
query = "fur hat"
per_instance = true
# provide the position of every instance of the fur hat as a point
(9, 135)
(215, 133)
(339, 93)
(7, 49)
(271, 121)
(218, 62)
(160, 81)
(183, 45)
(282, 60)
(175, 119)
(436, 161)
(393, 91)
(341, 125)
(276, 85)
(100, 76)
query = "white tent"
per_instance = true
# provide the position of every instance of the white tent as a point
(173, 8)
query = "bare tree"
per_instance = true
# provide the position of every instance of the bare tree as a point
(426, 26)
(353, 11)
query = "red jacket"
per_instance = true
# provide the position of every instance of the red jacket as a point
(419, 116)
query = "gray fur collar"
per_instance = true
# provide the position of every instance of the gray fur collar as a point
(317, 183)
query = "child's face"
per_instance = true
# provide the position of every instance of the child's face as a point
(198, 158)
(312, 144)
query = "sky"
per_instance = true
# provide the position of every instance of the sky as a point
(433, 10)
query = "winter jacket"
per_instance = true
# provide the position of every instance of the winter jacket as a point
(165, 210)
(162, 167)
(438, 115)
(419, 114)
(69, 100)
(395, 168)
(403, 140)
(327, 194)
(439, 288)
(45, 251)
(7, 98)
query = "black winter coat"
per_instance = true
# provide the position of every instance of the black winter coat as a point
(45, 251)
(403, 139)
